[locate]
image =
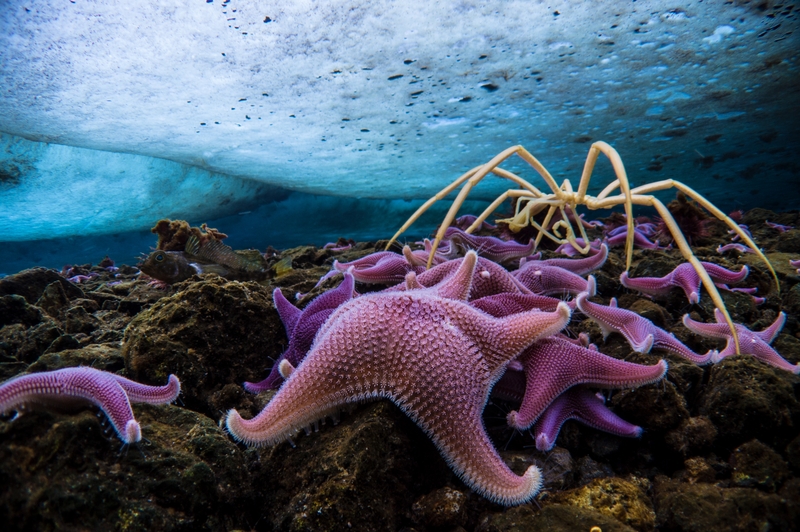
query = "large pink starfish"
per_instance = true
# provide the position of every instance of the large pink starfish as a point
(75, 387)
(432, 355)
(685, 277)
(641, 333)
(750, 342)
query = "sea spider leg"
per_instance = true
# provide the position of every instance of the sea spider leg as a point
(622, 182)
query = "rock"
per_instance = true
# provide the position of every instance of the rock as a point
(624, 500)
(15, 309)
(655, 408)
(757, 466)
(698, 470)
(53, 300)
(747, 399)
(709, 508)
(212, 333)
(551, 518)
(32, 283)
(692, 436)
(186, 475)
(78, 320)
(444, 507)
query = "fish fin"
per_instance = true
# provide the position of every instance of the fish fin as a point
(192, 245)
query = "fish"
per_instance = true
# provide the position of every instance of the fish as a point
(210, 257)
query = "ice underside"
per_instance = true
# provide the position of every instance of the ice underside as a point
(320, 120)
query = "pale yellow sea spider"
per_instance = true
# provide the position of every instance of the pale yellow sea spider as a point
(531, 201)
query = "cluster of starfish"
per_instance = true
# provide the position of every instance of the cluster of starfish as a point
(439, 343)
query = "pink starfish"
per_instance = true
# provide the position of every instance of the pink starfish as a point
(434, 356)
(741, 248)
(583, 405)
(568, 250)
(779, 227)
(301, 328)
(750, 342)
(685, 277)
(553, 365)
(70, 387)
(639, 240)
(489, 278)
(795, 264)
(489, 247)
(544, 279)
(640, 332)
(576, 266)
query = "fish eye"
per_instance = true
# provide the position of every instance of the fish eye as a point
(160, 257)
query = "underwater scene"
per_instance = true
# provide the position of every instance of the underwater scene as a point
(417, 266)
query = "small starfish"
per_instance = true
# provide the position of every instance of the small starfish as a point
(570, 251)
(490, 247)
(576, 266)
(301, 328)
(434, 356)
(750, 342)
(553, 365)
(384, 267)
(685, 277)
(70, 387)
(741, 248)
(795, 264)
(581, 404)
(547, 280)
(640, 332)
(640, 240)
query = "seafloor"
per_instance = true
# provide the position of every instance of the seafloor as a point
(720, 452)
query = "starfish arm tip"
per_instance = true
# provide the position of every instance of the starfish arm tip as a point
(133, 432)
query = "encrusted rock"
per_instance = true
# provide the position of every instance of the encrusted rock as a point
(551, 518)
(694, 435)
(625, 500)
(440, 508)
(757, 466)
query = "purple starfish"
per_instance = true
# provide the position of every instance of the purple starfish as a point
(71, 387)
(581, 404)
(795, 264)
(547, 280)
(489, 247)
(779, 227)
(553, 365)
(685, 277)
(489, 278)
(576, 266)
(384, 267)
(434, 356)
(301, 328)
(640, 332)
(640, 240)
(750, 342)
(506, 304)
(741, 248)
(570, 251)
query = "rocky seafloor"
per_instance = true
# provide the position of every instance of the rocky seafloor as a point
(720, 451)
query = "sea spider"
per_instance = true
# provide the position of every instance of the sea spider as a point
(564, 200)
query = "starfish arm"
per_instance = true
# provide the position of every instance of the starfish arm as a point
(490, 247)
(547, 280)
(664, 340)
(711, 330)
(154, 395)
(288, 313)
(505, 304)
(685, 276)
(458, 285)
(770, 333)
(653, 286)
(763, 352)
(581, 266)
(70, 386)
(723, 275)
(638, 331)
(553, 365)
(583, 405)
